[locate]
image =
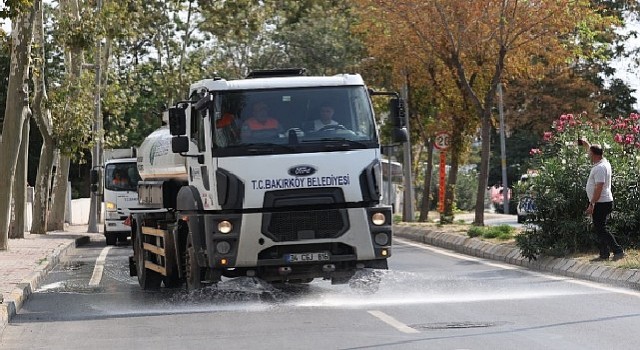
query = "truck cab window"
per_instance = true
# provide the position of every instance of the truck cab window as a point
(121, 177)
(197, 129)
(301, 120)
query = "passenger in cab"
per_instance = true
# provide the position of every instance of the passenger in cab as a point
(260, 124)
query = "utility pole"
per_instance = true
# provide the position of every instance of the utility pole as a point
(96, 152)
(407, 212)
(503, 152)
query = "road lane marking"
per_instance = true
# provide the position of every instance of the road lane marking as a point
(505, 266)
(392, 322)
(98, 269)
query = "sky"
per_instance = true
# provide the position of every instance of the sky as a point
(626, 68)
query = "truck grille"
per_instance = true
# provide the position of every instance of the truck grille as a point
(304, 225)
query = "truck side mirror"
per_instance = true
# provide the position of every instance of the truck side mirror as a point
(93, 177)
(177, 121)
(397, 115)
(400, 135)
(397, 112)
(179, 144)
(93, 180)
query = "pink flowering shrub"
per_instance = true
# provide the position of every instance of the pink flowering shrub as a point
(559, 226)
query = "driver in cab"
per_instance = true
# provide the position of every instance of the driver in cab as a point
(325, 119)
(119, 180)
(260, 124)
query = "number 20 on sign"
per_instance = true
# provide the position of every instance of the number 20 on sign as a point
(442, 141)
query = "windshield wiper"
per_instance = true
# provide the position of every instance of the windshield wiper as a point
(341, 142)
(262, 147)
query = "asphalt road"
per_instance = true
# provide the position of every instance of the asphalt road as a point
(429, 299)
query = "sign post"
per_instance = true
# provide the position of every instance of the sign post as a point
(442, 143)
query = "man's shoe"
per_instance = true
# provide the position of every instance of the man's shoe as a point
(600, 258)
(618, 256)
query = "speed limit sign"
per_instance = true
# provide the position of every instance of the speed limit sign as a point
(442, 141)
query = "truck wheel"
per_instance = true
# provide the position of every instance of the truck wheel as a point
(112, 237)
(172, 281)
(148, 279)
(194, 273)
(122, 237)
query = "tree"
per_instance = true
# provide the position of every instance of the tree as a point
(69, 103)
(16, 112)
(43, 119)
(432, 93)
(480, 41)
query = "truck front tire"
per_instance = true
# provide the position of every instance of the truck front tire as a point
(111, 237)
(194, 273)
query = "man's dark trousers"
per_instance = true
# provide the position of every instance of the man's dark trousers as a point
(606, 240)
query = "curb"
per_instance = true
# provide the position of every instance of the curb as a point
(628, 278)
(13, 302)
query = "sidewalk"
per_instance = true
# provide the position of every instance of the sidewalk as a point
(27, 261)
(509, 253)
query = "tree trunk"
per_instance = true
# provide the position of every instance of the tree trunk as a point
(58, 202)
(483, 177)
(42, 117)
(14, 115)
(42, 188)
(457, 145)
(426, 192)
(20, 183)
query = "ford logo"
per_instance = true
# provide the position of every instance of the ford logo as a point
(302, 170)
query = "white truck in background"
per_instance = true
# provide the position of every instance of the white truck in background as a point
(120, 193)
(286, 205)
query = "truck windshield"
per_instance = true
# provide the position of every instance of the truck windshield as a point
(121, 177)
(302, 119)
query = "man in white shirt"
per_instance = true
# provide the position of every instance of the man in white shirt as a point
(326, 118)
(598, 190)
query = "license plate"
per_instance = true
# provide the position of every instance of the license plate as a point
(307, 257)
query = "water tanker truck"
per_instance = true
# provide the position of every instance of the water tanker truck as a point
(247, 179)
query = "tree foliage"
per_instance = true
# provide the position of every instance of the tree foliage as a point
(483, 43)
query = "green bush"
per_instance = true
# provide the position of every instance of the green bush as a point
(559, 226)
(466, 190)
(502, 232)
(475, 231)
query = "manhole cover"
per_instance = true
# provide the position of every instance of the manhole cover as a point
(454, 325)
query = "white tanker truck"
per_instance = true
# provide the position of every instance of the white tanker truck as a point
(288, 203)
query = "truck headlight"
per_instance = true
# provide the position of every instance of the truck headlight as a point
(225, 226)
(110, 206)
(378, 219)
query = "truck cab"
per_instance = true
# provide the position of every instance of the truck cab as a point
(120, 190)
